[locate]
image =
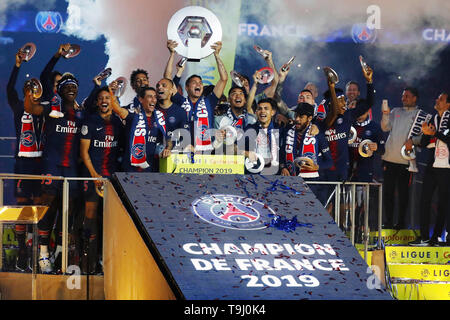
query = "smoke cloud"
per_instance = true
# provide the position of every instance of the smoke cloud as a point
(136, 34)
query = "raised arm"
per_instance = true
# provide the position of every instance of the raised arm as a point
(252, 92)
(11, 92)
(270, 91)
(171, 45)
(220, 85)
(121, 112)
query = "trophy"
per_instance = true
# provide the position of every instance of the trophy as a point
(260, 51)
(182, 62)
(104, 74)
(27, 51)
(300, 161)
(363, 64)
(237, 78)
(255, 166)
(73, 51)
(230, 136)
(99, 191)
(35, 86)
(196, 28)
(287, 64)
(267, 75)
(121, 86)
(353, 135)
(364, 149)
(385, 107)
(408, 154)
(331, 75)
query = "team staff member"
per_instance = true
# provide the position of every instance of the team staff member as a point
(27, 156)
(145, 132)
(395, 168)
(99, 148)
(437, 173)
(60, 158)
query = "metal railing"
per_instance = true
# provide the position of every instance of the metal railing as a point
(65, 204)
(337, 206)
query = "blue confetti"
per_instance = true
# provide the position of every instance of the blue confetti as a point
(282, 223)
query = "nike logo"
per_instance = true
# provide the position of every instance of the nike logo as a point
(98, 129)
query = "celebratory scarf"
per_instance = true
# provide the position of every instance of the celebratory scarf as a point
(56, 107)
(238, 122)
(308, 149)
(140, 129)
(321, 112)
(271, 137)
(201, 126)
(28, 144)
(441, 153)
(416, 129)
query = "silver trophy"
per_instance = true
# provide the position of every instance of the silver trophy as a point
(363, 64)
(196, 29)
(260, 51)
(121, 86)
(331, 75)
(364, 149)
(35, 86)
(237, 78)
(182, 62)
(104, 74)
(300, 161)
(286, 66)
(27, 51)
(99, 190)
(255, 166)
(73, 51)
(352, 135)
(266, 75)
(408, 154)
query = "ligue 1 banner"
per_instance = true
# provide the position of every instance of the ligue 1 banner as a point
(246, 237)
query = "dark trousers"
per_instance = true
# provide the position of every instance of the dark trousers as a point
(434, 178)
(395, 176)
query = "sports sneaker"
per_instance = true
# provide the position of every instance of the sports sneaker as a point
(44, 263)
(419, 242)
(434, 242)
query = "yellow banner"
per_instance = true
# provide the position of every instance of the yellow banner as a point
(421, 291)
(203, 164)
(433, 255)
(424, 272)
(391, 236)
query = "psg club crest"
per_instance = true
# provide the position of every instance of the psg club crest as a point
(362, 34)
(138, 151)
(233, 212)
(27, 138)
(48, 21)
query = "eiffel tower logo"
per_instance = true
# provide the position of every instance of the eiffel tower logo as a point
(235, 214)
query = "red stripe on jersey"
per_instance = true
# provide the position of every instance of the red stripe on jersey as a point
(68, 140)
(109, 131)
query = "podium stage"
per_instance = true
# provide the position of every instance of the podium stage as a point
(209, 237)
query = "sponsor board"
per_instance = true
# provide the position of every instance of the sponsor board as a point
(202, 164)
(424, 272)
(391, 236)
(421, 291)
(432, 255)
